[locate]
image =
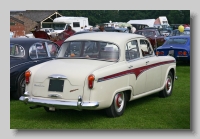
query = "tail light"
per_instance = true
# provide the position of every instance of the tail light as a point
(91, 81)
(159, 53)
(184, 53)
(180, 53)
(27, 76)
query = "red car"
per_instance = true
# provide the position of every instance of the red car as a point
(153, 35)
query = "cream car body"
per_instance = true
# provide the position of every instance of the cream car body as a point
(131, 75)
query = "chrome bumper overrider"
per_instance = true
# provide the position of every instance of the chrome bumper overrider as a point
(59, 104)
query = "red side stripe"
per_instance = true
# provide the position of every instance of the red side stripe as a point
(136, 71)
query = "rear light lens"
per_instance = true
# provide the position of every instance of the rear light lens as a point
(27, 76)
(180, 53)
(91, 81)
(160, 53)
(184, 53)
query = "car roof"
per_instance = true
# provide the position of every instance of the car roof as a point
(184, 29)
(114, 37)
(147, 29)
(181, 36)
(27, 41)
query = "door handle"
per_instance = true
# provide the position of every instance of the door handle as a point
(147, 62)
(35, 61)
(130, 66)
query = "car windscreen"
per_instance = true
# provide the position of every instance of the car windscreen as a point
(95, 50)
(176, 41)
(17, 50)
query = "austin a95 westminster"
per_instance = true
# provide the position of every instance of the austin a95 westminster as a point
(99, 70)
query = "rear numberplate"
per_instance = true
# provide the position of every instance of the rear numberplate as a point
(171, 52)
(56, 85)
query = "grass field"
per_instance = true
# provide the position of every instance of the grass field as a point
(150, 112)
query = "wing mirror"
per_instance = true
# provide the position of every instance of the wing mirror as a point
(155, 36)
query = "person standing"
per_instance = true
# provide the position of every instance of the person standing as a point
(85, 29)
(68, 32)
(101, 28)
(82, 29)
(11, 34)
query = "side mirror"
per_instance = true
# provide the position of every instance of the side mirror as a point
(155, 36)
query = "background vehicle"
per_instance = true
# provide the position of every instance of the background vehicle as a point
(112, 29)
(60, 23)
(153, 35)
(176, 32)
(176, 46)
(25, 53)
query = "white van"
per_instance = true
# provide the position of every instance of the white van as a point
(60, 23)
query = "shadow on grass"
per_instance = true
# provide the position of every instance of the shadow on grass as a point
(182, 63)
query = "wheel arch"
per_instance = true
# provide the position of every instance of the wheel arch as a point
(127, 90)
(173, 71)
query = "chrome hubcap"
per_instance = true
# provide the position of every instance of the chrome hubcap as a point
(119, 101)
(168, 84)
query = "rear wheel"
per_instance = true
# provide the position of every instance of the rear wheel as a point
(118, 105)
(20, 88)
(167, 91)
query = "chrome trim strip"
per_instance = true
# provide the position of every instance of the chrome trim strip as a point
(182, 56)
(21, 64)
(59, 103)
(57, 76)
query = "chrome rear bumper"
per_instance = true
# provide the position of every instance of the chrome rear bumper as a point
(59, 104)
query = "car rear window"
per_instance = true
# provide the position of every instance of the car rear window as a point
(90, 49)
(176, 41)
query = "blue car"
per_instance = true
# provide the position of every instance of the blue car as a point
(176, 46)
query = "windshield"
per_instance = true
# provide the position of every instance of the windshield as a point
(60, 26)
(176, 41)
(89, 49)
(16, 50)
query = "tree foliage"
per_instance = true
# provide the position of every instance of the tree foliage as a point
(104, 16)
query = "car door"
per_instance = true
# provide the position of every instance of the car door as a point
(135, 64)
(152, 67)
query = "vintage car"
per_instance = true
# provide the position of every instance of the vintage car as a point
(100, 70)
(176, 32)
(24, 53)
(176, 46)
(153, 35)
(112, 29)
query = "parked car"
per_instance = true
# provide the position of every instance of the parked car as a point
(100, 70)
(24, 53)
(112, 29)
(176, 46)
(176, 32)
(153, 35)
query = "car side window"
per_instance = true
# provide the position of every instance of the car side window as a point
(53, 49)
(38, 50)
(132, 50)
(145, 48)
(17, 50)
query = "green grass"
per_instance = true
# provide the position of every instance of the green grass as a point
(150, 112)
